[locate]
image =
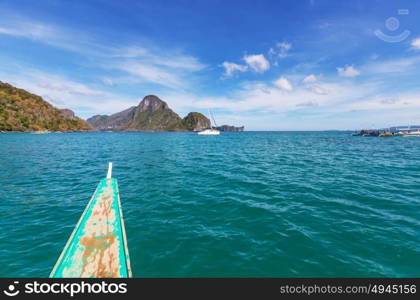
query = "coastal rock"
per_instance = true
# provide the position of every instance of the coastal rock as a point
(68, 113)
(230, 128)
(196, 121)
(152, 103)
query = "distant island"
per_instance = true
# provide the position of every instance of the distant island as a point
(153, 114)
(229, 128)
(22, 111)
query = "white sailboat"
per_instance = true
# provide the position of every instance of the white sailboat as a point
(210, 131)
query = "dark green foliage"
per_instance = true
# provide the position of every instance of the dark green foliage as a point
(196, 121)
(159, 120)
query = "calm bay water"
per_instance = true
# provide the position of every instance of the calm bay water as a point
(251, 204)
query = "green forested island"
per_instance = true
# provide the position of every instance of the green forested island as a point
(26, 112)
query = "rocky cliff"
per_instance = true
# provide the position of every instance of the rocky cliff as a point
(153, 114)
(112, 122)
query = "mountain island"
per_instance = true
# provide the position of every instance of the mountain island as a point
(153, 114)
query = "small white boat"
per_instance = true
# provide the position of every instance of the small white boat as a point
(408, 131)
(412, 133)
(210, 131)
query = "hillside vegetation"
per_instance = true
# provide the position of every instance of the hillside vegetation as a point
(23, 111)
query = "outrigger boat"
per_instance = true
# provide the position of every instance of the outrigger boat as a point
(97, 248)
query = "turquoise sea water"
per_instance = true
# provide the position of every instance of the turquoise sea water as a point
(251, 204)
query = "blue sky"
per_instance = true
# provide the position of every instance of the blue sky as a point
(268, 65)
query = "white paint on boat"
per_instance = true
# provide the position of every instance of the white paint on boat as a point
(109, 174)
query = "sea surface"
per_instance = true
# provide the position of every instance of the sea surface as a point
(242, 204)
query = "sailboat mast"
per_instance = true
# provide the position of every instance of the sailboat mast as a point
(211, 114)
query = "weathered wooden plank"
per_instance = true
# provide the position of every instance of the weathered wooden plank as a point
(97, 247)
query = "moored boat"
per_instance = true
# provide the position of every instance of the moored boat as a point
(369, 133)
(386, 134)
(210, 131)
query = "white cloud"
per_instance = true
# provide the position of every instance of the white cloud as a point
(153, 65)
(52, 35)
(415, 43)
(374, 56)
(257, 62)
(384, 102)
(29, 30)
(152, 73)
(318, 89)
(258, 97)
(284, 48)
(86, 100)
(310, 78)
(166, 67)
(158, 57)
(307, 104)
(280, 50)
(67, 86)
(400, 65)
(310, 82)
(324, 25)
(108, 81)
(178, 60)
(283, 84)
(348, 71)
(131, 52)
(230, 68)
